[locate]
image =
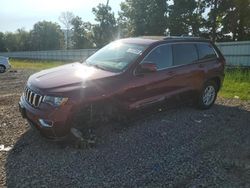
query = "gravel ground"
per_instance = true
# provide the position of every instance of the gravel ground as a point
(177, 147)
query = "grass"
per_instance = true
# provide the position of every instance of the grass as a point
(236, 83)
(34, 64)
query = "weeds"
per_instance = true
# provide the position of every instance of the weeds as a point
(34, 64)
(236, 84)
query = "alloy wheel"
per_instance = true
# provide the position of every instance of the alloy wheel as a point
(209, 95)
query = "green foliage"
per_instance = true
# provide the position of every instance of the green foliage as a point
(185, 17)
(228, 20)
(81, 31)
(11, 41)
(145, 17)
(34, 64)
(106, 29)
(18, 41)
(219, 20)
(46, 36)
(236, 18)
(236, 84)
(2, 43)
(23, 40)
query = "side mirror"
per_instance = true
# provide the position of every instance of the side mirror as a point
(147, 67)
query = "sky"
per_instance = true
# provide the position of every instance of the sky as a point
(15, 14)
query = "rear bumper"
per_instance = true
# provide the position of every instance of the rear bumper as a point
(61, 119)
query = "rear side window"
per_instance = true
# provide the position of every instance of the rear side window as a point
(184, 54)
(161, 56)
(206, 51)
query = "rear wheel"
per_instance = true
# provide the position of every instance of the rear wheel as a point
(208, 95)
(2, 69)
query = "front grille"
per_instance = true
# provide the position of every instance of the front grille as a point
(32, 98)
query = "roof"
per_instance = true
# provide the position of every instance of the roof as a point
(147, 40)
(137, 40)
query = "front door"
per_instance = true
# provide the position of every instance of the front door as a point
(151, 87)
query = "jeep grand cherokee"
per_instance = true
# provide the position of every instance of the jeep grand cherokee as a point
(127, 74)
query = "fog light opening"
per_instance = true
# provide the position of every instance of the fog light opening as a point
(46, 123)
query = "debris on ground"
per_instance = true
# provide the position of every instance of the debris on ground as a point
(3, 148)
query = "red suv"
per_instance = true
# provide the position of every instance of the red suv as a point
(127, 74)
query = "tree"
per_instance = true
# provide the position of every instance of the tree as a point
(228, 19)
(11, 42)
(46, 36)
(106, 29)
(2, 43)
(66, 19)
(214, 14)
(23, 40)
(213, 22)
(81, 33)
(235, 20)
(17, 41)
(145, 17)
(185, 17)
(242, 8)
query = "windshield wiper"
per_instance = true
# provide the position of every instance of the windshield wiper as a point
(94, 65)
(99, 67)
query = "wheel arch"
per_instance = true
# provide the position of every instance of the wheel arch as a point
(217, 81)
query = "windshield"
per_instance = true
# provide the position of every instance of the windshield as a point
(116, 56)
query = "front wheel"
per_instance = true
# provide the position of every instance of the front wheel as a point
(2, 69)
(207, 95)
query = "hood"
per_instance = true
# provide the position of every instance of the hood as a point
(66, 76)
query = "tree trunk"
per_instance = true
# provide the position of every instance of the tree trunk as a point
(67, 39)
(242, 16)
(214, 25)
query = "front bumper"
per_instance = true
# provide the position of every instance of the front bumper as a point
(52, 123)
(9, 66)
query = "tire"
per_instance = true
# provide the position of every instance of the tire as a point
(2, 69)
(208, 95)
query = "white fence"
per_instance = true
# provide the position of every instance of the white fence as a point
(236, 53)
(61, 55)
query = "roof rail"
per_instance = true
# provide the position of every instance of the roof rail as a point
(182, 37)
(152, 37)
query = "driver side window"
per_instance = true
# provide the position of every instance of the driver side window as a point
(161, 56)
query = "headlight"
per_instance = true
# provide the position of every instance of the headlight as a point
(55, 101)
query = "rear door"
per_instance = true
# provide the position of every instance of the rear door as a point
(208, 61)
(185, 61)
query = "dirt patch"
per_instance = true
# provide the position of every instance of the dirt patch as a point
(175, 147)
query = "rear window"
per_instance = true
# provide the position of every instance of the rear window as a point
(206, 51)
(184, 54)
